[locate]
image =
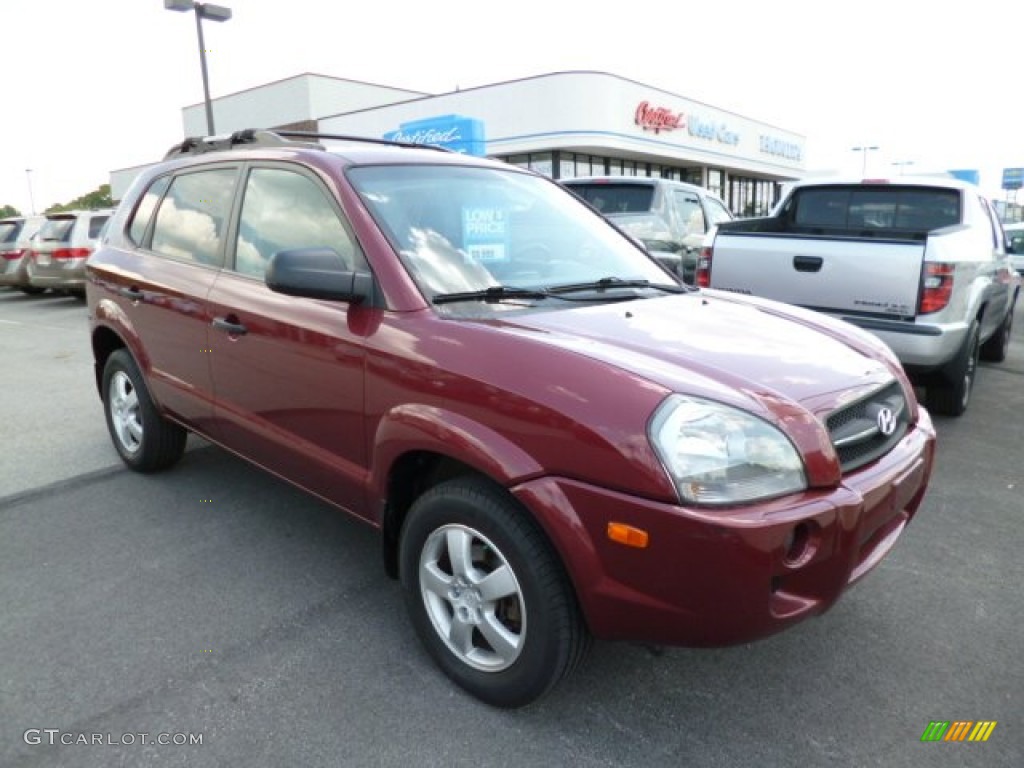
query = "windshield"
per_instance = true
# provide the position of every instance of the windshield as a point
(463, 229)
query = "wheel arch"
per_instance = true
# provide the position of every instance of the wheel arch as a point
(417, 447)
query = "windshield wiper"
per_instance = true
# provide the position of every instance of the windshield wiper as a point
(492, 293)
(617, 282)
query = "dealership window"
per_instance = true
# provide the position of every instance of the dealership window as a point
(716, 179)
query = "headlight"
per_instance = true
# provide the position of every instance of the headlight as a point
(720, 455)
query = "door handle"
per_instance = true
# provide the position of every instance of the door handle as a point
(807, 263)
(231, 325)
(132, 293)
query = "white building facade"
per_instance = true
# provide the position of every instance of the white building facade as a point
(563, 124)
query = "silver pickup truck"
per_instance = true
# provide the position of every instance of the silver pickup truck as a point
(921, 263)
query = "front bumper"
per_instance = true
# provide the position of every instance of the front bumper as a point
(719, 577)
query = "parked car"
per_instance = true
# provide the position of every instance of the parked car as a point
(919, 261)
(1015, 245)
(669, 217)
(57, 258)
(555, 439)
(16, 235)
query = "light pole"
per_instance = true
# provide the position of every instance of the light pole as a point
(202, 11)
(864, 158)
(901, 164)
(31, 197)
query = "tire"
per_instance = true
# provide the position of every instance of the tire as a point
(996, 348)
(507, 647)
(145, 440)
(31, 290)
(950, 394)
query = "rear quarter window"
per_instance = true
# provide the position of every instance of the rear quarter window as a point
(96, 226)
(9, 231)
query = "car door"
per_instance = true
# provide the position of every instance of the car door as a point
(162, 278)
(288, 372)
(1000, 272)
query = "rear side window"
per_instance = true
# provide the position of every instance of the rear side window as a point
(144, 212)
(917, 209)
(96, 226)
(616, 198)
(690, 213)
(9, 231)
(191, 218)
(57, 230)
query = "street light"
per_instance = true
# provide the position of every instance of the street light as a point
(864, 158)
(31, 197)
(203, 11)
(901, 164)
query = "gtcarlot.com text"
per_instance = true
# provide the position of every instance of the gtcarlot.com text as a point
(55, 736)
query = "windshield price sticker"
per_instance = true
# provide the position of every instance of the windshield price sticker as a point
(485, 234)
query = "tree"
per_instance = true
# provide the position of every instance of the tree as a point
(98, 198)
(8, 210)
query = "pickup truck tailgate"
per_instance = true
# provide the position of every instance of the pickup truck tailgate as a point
(852, 275)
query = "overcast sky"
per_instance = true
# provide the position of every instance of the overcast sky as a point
(94, 85)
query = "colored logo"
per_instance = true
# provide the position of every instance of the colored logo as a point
(958, 730)
(454, 132)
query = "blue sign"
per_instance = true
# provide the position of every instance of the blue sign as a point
(454, 132)
(1013, 178)
(968, 175)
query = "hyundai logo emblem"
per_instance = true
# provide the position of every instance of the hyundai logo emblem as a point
(886, 420)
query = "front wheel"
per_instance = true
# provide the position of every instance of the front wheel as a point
(145, 440)
(487, 595)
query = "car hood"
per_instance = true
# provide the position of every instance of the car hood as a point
(718, 346)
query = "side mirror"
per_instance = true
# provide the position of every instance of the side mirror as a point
(317, 273)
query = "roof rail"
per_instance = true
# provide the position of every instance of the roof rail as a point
(358, 139)
(252, 137)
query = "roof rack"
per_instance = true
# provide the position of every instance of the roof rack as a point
(252, 137)
(197, 145)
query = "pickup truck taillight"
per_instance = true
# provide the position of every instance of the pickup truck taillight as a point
(936, 287)
(704, 267)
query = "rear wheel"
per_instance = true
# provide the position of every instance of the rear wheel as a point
(145, 440)
(487, 595)
(950, 393)
(31, 290)
(995, 348)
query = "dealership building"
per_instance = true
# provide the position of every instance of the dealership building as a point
(563, 124)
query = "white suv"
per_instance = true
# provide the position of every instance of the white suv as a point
(16, 235)
(59, 252)
(669, 217)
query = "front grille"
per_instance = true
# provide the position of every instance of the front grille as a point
(857, 432)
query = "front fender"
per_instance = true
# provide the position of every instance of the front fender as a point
(415, 427)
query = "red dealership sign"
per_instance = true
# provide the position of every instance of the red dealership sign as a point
(658, 119)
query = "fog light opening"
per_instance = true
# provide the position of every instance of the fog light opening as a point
(797, 546)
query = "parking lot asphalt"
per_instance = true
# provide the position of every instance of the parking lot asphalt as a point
(218, 601)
